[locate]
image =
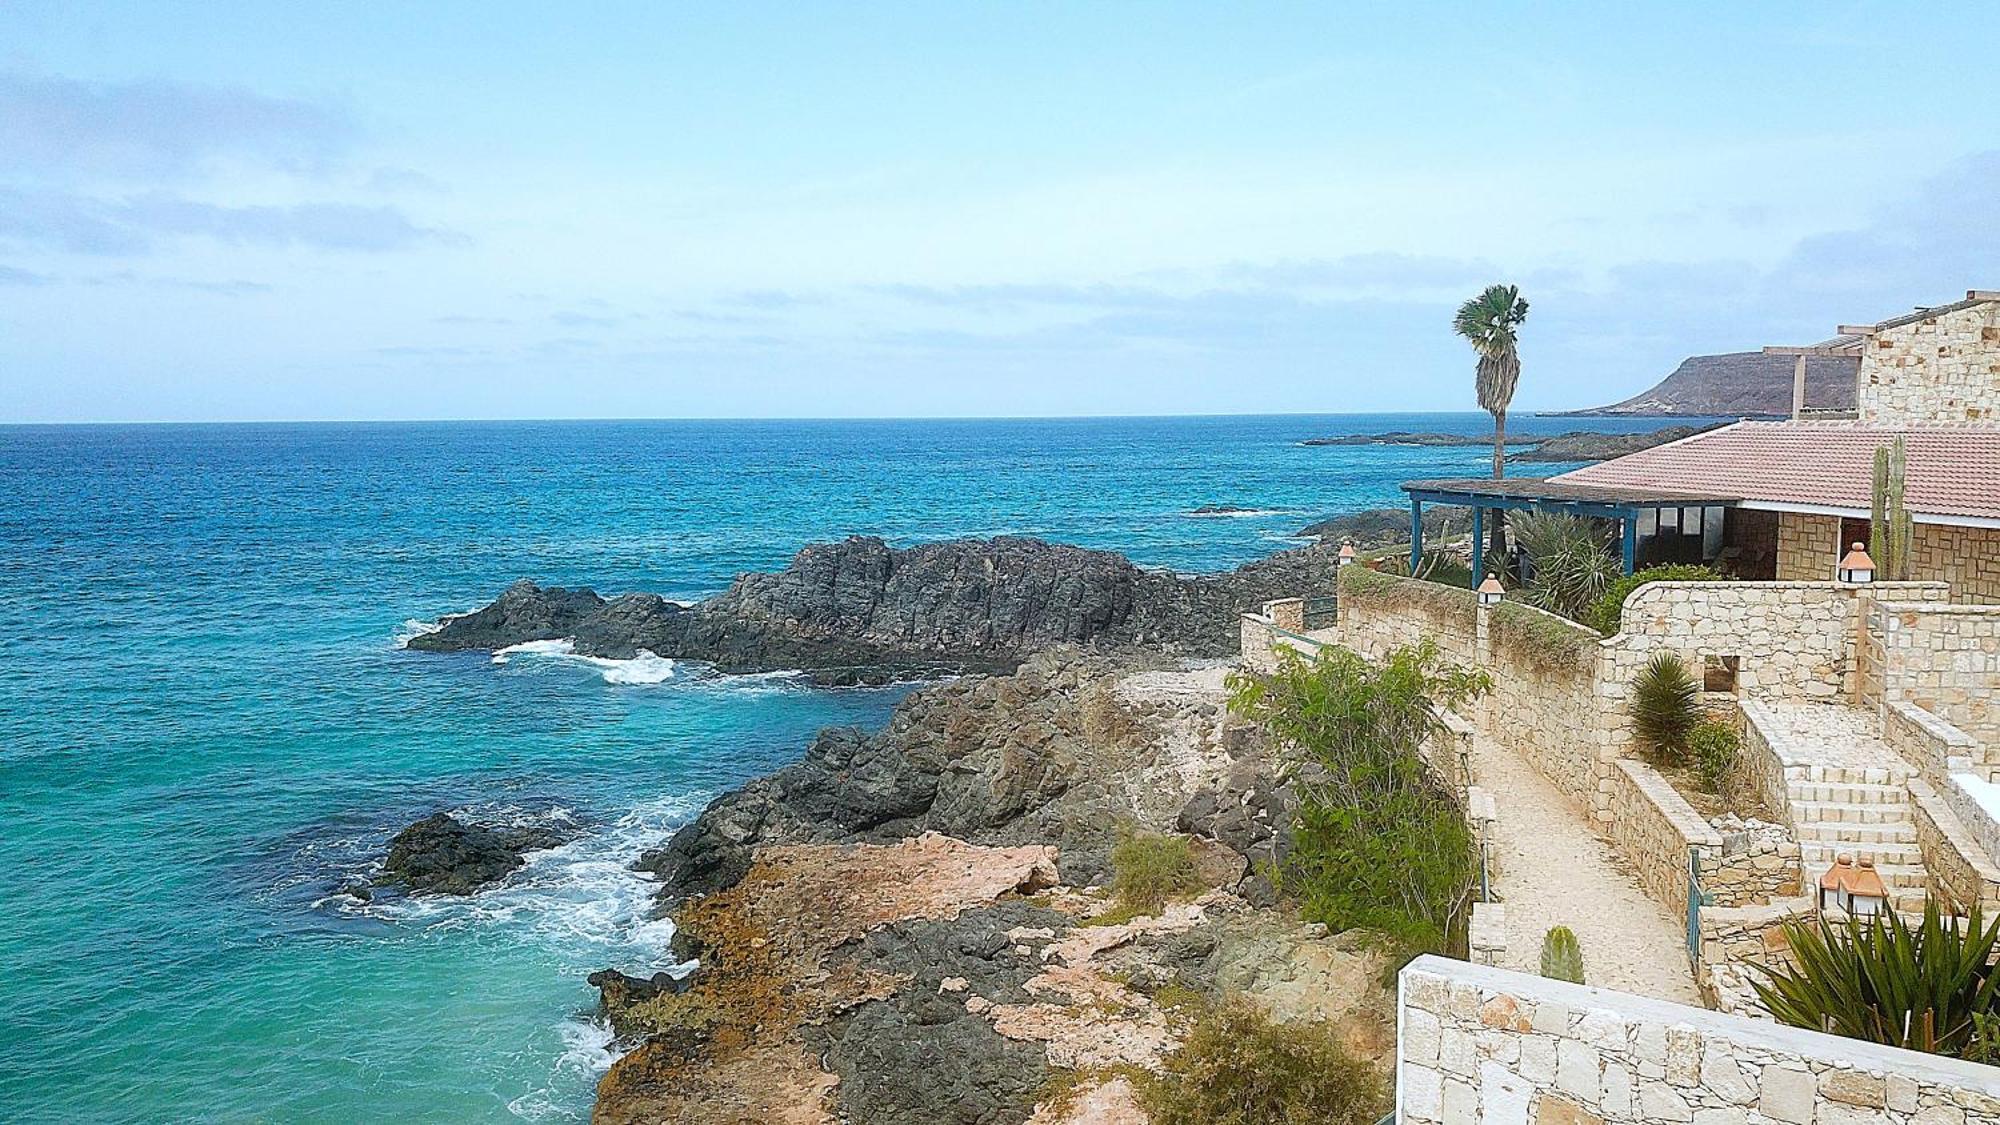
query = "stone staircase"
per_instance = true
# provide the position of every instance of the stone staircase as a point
(1846, 791)
(1862, 811)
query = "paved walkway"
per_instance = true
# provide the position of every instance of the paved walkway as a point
(1555, 871)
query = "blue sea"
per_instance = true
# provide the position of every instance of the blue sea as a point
(208, 728)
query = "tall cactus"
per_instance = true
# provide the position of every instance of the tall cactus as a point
(1889, 523)
(1562, 957)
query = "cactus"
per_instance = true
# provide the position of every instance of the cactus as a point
(1562, 957)
(1889, 522)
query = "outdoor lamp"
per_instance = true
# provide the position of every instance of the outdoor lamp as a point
(1856, 567)
(1833, 885)
(1490, 591)
(1866, 893)
(1346, 553)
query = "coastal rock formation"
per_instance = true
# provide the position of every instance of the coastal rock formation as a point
(1582, 446)
(1068, 751)
(862, 611)
(442, 854)
(1386, 527)
(1741, 385)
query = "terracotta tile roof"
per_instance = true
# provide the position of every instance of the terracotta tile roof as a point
(1954, 471)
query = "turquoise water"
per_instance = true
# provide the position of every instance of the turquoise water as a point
(207, 727)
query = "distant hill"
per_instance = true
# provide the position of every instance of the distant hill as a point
(1741, 385)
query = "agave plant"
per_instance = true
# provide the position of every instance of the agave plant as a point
(1663, 706)
(1572, 563)
(1927, 987)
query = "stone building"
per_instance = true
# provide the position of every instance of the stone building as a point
(1784, 500)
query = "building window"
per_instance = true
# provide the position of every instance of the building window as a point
(1718, 673)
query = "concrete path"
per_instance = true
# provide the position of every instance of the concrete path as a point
(1555, 871)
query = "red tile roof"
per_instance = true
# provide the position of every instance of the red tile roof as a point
(1954, 471)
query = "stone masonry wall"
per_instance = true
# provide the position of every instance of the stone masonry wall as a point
(1961, 872)
(1808, 547)
(1943, 368)
(1944, 659)
(1966, 557)
(1654, 828)
(1484, 1046)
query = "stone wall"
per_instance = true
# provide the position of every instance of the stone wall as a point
(1546, 703)
(1966, 557)
(1961, 870)
(1478, 1045)
(1943, 368)
(1944, 659)
(1809, 547)
(1654, 829)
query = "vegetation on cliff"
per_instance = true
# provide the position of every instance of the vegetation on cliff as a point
(1378, 842)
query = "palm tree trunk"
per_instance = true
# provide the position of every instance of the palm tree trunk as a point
(1498, 539)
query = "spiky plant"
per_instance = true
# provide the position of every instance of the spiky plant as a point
(1663, 706)
(1573, 565)
(1491, 323)
(1562, 956)
(1928, 987)
(1889, 526)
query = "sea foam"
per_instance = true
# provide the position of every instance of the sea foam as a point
(647, 667)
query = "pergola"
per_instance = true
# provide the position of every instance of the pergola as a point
(1534, 494)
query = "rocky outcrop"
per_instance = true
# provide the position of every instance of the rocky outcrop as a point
(1741, 385)
(1583, 446)
(442, 854)
(1386, 527)
(1066, 752)
(862, 611)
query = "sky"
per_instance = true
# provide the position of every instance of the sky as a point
(333, 211)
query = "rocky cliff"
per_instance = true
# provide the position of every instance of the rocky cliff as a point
(1741, 385)
(911, 927)
(861, 610)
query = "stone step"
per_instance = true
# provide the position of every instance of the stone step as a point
(1838, 812)
(1850, 775)
(1834, 832)
(1847, 793)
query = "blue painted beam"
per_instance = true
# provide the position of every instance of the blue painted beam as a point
(1629, 534)
(1478, 546)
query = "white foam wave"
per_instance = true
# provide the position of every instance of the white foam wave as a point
(414, 628)
(1240, 514)
(647, 667)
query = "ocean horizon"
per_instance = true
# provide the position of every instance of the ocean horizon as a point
(211, 727)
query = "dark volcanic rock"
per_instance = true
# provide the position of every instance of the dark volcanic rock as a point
(919, 1057)
(859, 611)
(1386, 527)
(1404, 437)
(525, 612)
(1583, 446)
(442, 854)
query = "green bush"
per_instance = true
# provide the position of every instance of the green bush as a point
(1148, 870)
(1562, 956)
(1573, 563)
(1928, 987)
(1604, 612)
(1714, 747)
(1238, 1067)
(1663, 707)
(1378, 841)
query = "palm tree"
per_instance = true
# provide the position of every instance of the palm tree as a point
(1489, 323)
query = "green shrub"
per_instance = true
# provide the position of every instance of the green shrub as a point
(1378, 841)
(1238, 1067)
(1603, 613)
(1562, 956)
(1663, 707)
(1714, 747)
(1148, 870)
(1928, 987)
(1573, 563)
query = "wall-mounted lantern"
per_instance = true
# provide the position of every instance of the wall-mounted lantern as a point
(1490, 591)
(1856, 566)
(1346, 554)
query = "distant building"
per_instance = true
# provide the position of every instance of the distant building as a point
(1783, 500)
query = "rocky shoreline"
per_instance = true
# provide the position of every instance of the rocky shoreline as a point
(860, 611)
(915, 926)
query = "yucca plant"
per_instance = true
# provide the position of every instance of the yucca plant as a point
(1928, 987)
(1573, 563)
(1663, 706)
(1562, 956)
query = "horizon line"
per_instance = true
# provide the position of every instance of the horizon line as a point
(107, 422)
